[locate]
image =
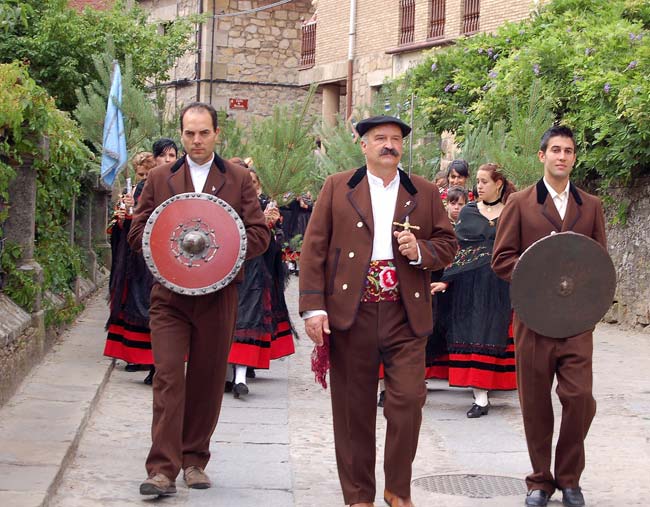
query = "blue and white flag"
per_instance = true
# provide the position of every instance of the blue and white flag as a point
(114, 156)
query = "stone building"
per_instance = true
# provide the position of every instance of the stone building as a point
(247, 54)
(389, 36)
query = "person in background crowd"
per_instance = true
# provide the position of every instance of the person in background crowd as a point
(263, 331)
(458, 173)
(187, 400)
(437, 355)
(441, 180)
(295, 217)
(165, 151)
(457, 198)
(361, 315)
(130, 282)
(479, 337)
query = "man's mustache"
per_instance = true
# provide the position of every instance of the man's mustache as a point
(389, 151)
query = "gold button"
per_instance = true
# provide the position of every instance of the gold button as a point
(345, 286)
(350, 255)
(417, 295)
(359, 224)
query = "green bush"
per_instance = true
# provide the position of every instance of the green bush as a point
(27, 113)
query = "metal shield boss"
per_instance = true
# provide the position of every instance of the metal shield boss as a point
(563, 285)
(194, 243)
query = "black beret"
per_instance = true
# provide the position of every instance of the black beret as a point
(365, 125)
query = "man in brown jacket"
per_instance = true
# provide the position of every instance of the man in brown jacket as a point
(553, 205)
(365, 283)
(186, 405)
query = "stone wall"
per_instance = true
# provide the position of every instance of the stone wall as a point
(629, 246)
(252, 56)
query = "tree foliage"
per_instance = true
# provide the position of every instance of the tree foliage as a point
(282, 148)
(591, 60)
(28, 115)
(58, 43)
(140, 121)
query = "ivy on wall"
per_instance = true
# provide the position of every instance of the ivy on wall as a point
(27, 115)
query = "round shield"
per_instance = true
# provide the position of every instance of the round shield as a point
(563, 285)
(194, 243)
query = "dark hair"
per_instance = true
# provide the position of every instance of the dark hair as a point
(460, 166)
(496, 174)
(162, 145)
(556, 131)
(440, 174)
(239, 161)
(203, 107)
(454, 194)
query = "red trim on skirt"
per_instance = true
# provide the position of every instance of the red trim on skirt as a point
(117, 345)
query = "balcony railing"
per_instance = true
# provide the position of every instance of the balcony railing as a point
(471, 15)
(308, 45)
(437, 20)
(406, 21)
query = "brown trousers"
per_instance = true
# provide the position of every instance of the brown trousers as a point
(539, 359)
(186, 406)
(380, 333)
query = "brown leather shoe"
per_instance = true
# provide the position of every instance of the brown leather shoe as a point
(159, 485)
(196, 478)
(392, 500)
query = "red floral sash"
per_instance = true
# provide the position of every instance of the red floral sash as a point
(381, 282)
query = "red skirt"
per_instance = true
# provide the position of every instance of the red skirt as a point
(128, 342)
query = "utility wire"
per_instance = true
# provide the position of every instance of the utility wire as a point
(252, 11)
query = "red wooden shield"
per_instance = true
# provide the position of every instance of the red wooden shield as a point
(194, 243)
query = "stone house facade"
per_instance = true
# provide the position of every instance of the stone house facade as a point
(389, 37)
(246, 58)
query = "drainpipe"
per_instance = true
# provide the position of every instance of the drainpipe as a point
(199, 41)
(214, 21)
(351, 34)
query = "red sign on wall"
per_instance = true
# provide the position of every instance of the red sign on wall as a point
(238, 104)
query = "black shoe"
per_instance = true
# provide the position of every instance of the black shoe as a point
(537, 497)
(382, 399)
(149, 378)
(477, 411)
(572, 497)
(250, 372)
(239, 390)
(131, 367)
(228, 387)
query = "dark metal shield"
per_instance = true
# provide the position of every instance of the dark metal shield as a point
(563, 285)
(194, 243)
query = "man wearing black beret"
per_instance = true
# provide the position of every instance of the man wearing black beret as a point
(364, 293)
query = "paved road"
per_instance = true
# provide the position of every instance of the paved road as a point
(77, 433)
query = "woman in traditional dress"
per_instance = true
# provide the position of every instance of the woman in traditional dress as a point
(263, 331)
(479, 336)
(437, 356)
(130, 284)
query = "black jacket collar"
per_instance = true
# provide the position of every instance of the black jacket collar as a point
(542, 192)
(404, 179)
(218, 161)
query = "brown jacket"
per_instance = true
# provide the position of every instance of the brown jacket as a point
(531, 214)
(226, 181)
(337, 248)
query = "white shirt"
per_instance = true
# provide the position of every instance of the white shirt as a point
(560, 200)
(383, 200)
(199, 173)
